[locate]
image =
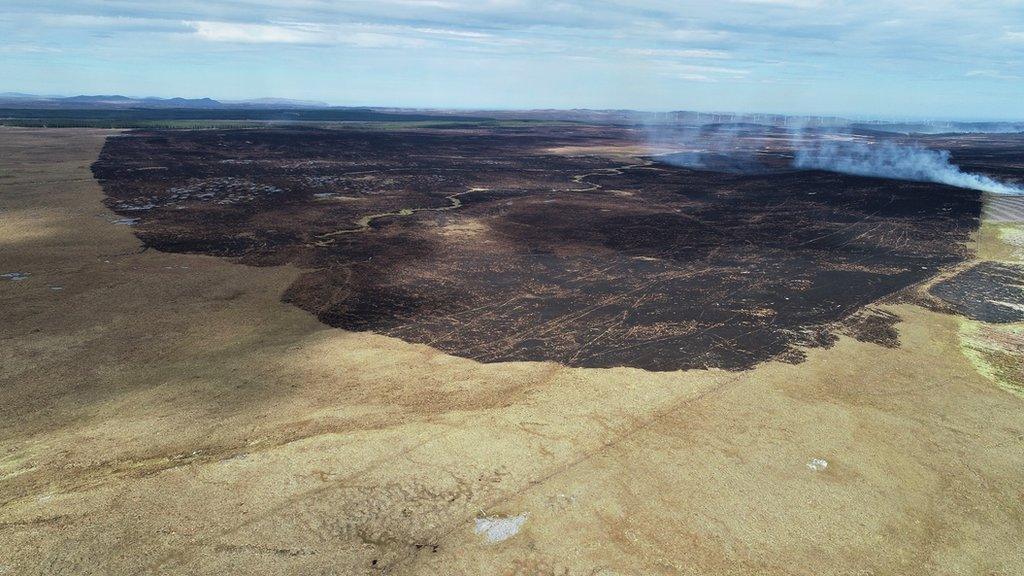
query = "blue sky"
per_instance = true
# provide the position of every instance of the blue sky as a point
(913, 58)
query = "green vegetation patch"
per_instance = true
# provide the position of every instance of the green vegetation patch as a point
(1013, 235)
(996, 351)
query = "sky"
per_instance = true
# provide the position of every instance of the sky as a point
(910, 59)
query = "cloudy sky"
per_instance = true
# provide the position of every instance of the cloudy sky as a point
(920, 58)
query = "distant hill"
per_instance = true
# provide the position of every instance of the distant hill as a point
(17, 95)
(279, 103)
(117, 101)
(119, 108)
(137, 116)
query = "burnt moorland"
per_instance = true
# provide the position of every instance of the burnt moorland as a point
(536, 244)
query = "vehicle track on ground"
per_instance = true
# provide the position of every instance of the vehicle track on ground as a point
(366, 222)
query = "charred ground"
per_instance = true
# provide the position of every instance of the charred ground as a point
(517, 244)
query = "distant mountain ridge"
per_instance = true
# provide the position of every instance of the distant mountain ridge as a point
(119, 107)
(115, 101)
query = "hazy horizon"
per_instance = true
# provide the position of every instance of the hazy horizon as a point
(313, 102)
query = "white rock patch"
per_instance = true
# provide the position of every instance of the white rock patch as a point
(496, 529)
(817, 464)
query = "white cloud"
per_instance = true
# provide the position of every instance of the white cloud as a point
(786, 3)
(254, 33)
(994, 74)
(688, 53)
(358, 35)
(453, 33)
(27, 49)
(698, 35)
(94, 21)
(698, 73)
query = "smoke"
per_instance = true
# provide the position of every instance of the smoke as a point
(944, 127)
(890, 160)
(719, 142)
(752, 144)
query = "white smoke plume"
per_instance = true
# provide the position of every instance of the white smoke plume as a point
(706, 142)
(901, 162)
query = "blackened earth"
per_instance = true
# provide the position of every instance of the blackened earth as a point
(988, 291)
(492, 244)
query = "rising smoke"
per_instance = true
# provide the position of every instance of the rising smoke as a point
(890, 160)
(736, 143)
(720, 143)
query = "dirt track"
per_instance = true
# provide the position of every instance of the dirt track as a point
(168, 414)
